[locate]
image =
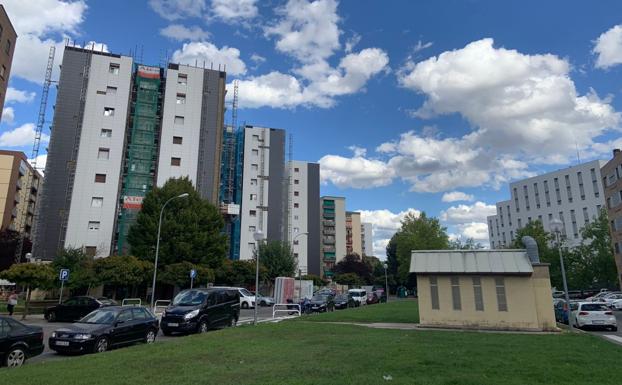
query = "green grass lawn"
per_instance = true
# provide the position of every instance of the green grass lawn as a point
(400, 311)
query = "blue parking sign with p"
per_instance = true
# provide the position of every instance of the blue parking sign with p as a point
(63, 275)
(193, 273)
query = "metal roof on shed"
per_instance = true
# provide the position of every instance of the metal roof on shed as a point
(470, 262)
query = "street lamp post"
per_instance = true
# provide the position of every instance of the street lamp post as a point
(386, 281)
(557, 226)
(155, 264)
(299, 269)
(258, 236)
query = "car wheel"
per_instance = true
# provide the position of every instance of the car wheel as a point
(15, 358)
(51, 316)
(101, 345)
(202, 327)
(232, 322)
(244, 305)
(150, 336)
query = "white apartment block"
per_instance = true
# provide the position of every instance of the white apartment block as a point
(367, 240)
(353, 233)
(574, 195)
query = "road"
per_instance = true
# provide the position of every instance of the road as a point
(609, 335)
(246, 316)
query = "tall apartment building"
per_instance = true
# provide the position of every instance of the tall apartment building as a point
(263, 190)
(303, 215)
(333, 225)
(353, 233)
(19, 186)
(120, 127)
(574, 195)
(367, 239)
(8, 36)
(612, 183)
(231, 186)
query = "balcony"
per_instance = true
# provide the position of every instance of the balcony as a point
(329, 249)
(18, 184)
(328, 274)
(31, 209)
(32, 197)
(16, 198)
(328, 231)
(330, 204)
(328, 215)
(329, 240)
(329, 223)
(329, 257)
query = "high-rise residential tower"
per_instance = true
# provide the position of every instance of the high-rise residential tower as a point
(17, 198)
(353, 233)
(8, 36)
(333, 225)
(612, 183)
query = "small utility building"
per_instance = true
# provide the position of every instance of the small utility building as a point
(484, 289)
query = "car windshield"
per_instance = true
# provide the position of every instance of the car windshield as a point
(99, 317)
(593, 307)
(189, 298)
(341, 297)
(246, 293)
(319, 298)
(106, 301)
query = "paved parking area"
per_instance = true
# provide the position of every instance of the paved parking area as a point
(608, 334)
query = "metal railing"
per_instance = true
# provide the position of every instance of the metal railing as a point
(159, 306)
(289, 308)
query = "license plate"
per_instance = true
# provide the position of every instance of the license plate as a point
(62, 343)
(173, 324)
(598, 322)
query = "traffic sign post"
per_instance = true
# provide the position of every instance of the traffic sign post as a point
(193, 274)
(62, 276)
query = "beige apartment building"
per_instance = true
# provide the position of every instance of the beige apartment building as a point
(353, 233)
(612, 183)
(7, 47)
(17, 197)
(483, 289)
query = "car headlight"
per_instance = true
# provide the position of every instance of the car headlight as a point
(191, 315)
(82, 336)
(53, 334)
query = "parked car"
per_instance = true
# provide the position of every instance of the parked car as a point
(198, 310)
(75, 308)
(106, 328)
(598, 296)
(343, 301)
(359, 296)
(322, 303)
(617, 304)
(326, 291)
(592, 314)
(372, 298)
(247, 299)
(18, 342)
(609, 299)
(265, 301)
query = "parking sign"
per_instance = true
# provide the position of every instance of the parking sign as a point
(193, 273)
(63, 275)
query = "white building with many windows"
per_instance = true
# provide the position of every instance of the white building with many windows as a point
(574, 195)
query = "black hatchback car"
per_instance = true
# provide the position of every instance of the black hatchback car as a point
(198, 310)
(75, 308)
(106, 328)
(322, 303)
(18, 342)
(343, 301)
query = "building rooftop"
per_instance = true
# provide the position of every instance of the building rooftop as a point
(510, 262)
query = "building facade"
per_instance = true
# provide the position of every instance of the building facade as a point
(574, 195)
(8, 36)
(612, 183)
(304, 215)
(115, 136)
(353, 233)
(19, 187)
(263, 189)
(367, 239)
(333, 225)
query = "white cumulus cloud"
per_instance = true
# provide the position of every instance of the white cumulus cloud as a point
(608, 48)
(385, 223)
(23, 135)
(180, 33)
(357, 172)
(206, 52)
(233, 10)
(178, 9)
(456, 196)
(476, 212)
(8, 115)
(18, 96)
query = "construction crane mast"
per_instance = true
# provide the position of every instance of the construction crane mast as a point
(35, 150)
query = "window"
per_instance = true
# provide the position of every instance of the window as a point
(175, 161)
(296, 193)
(535, 189)
(434, 292)
(181, 99)
(182, 79)
(106, 133)
(93, 225)
(568, 189)
(252, 229)
(114, 68)
(253, 182)
(97, 202)
(296, 169)
(100, 178)
(179, 120)
(253, 197)
(546, 193)
(526, 197)
(502, 304)
(516, 200)
(254, 167)
(252, 213)
(509, 216)
(296, 205)
(296, 217)
(455, 293)
(594, 182)
(256, 138)
(111, 90)
(586, 216)
(255, 152)
(520, 224)
(177, 140)
(477, 294)
(139, 313)
(581, 189)
(573, 218)
(7, 48)
(103, 153)
(108, 111)
(296, 181)
(561, 218)
(90, 251)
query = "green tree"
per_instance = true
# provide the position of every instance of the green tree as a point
(468, 244)
(547, 248)
(81, 266)
(278, 260)
(238, 273)
(191, 227)
(354, 264)
(31, 276)
(8, 246)
(350, 279)
(178, 274)
(123, 271)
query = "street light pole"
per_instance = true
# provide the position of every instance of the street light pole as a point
(556, 226)
(258, 237)
(299, 269)
(386, 281)
(155, 264)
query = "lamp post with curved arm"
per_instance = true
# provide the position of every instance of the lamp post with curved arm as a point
(299, 270)
(258, 236)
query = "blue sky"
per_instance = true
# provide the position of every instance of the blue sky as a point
(408, 105)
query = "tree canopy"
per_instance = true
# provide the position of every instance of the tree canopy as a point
(278, 260)
(178, 274)
(31, 276)
(81, 266)
(354, 264)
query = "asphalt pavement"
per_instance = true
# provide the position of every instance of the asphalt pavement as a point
(615, 337)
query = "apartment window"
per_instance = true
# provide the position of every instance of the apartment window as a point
(100, 178)
(455, 293)
(547, 196)
(90, 251)
(477, 294)
(255, 152)
(568, 189)
(573, 218)
(93, 225)
(252, 229)
(561, 218)
(581, 189)
(557, 193)
(253, 197)
(296, 169)
(182, 79)
(114, 68)
(516, 200)
(111, 90)
(586, 216)
(296, 229)
(434, 292)
(594, 182)
(296, 181)
(256, 138)
(296, 193)
(509, 216)
(520, 224)
(296, 217)
(502, 304)
(296, 205)
(108, 111)
(177, 140)
(254, 167)
(253, 182)
(535, 189)
(97, 202)
(181, 99)
(179, 120)
(550, 217)
(526, 198)
(175, 161)
(103, 154)
(252, 213)
(503, 235)
(511, 235)
(105, 133)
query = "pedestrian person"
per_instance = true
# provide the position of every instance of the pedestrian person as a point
(12, 301)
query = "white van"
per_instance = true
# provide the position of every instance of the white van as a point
(359, 296)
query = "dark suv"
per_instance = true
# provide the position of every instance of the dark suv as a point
(198, 310)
